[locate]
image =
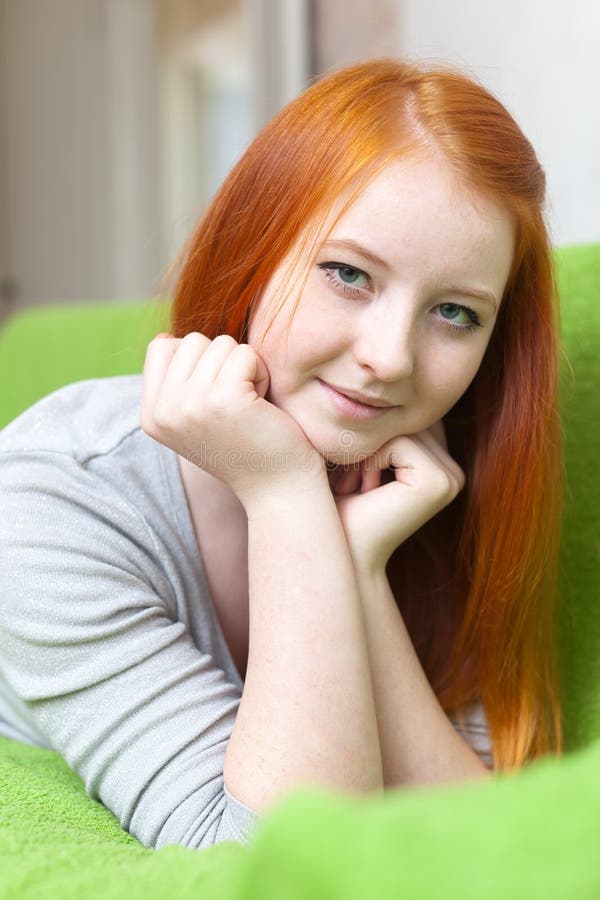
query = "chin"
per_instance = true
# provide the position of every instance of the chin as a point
(346, 450)
(342, 445)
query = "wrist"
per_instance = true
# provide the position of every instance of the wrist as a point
(370, 573)
(278, 475)
(285, 495)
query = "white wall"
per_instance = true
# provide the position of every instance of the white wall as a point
(78, 150)
(204, 108)
(541, 58)
(98, 188)
(118, 121)
(53, 149)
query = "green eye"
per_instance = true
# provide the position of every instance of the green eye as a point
(349, 275)
(451, 313)
(346, 278)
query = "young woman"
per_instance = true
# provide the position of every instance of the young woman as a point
(316, 542)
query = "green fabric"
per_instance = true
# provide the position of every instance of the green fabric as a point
(579, 636)
(534, 835)
(44, 348)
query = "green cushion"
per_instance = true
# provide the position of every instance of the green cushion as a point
(44, 348)
(533, 835)
(579, 279)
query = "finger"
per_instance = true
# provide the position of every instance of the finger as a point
(424, 440)
(159, 354)
(431, 446)
(260, 377)
(371, 476)
(439, 452)
(191, 348)
(209, 365)
(349, 480)
(421, 457)
(246, 368)
(406, 454)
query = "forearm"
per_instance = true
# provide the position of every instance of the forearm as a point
(307, 713)
(419, 744)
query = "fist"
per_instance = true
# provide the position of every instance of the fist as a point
(205, 399)
(378, 517)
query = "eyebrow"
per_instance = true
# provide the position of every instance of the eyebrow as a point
(476, 293)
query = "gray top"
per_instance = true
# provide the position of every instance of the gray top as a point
(111, 652)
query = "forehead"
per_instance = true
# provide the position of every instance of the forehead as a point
(417, 214)
(430, 228)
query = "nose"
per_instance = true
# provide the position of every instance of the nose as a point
(385, 344)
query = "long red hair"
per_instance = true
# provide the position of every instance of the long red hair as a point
(477, 585)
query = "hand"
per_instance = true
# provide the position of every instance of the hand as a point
(377, 517)
(205, 400)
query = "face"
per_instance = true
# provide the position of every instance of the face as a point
(389, 311)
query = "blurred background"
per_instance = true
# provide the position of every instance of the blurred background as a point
(119, 118)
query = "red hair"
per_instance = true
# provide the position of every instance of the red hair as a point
(477, 585)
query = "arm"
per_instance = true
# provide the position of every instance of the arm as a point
(95, 653)
(419, 744)
(307, 713)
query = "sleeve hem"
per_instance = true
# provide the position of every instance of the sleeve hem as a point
(246, 819)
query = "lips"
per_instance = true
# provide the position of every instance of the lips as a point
(349, 408)
(361, 398)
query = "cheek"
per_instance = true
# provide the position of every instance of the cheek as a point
(449, 377)
(298, 345)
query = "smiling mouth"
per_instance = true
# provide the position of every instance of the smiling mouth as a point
(364, 401)
(350, 408)
(358, 398)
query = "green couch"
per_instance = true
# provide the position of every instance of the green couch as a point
(533, 835)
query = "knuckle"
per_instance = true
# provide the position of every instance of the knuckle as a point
(194, 337)
(225, 340)
(163, 414)
(147, 423)
(441, 483)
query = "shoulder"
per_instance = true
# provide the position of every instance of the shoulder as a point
(77, 463)
(83, 419)
(81, 494)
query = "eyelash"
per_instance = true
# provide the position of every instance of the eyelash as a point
(330, 267)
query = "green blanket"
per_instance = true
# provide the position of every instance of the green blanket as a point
(534, 835)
